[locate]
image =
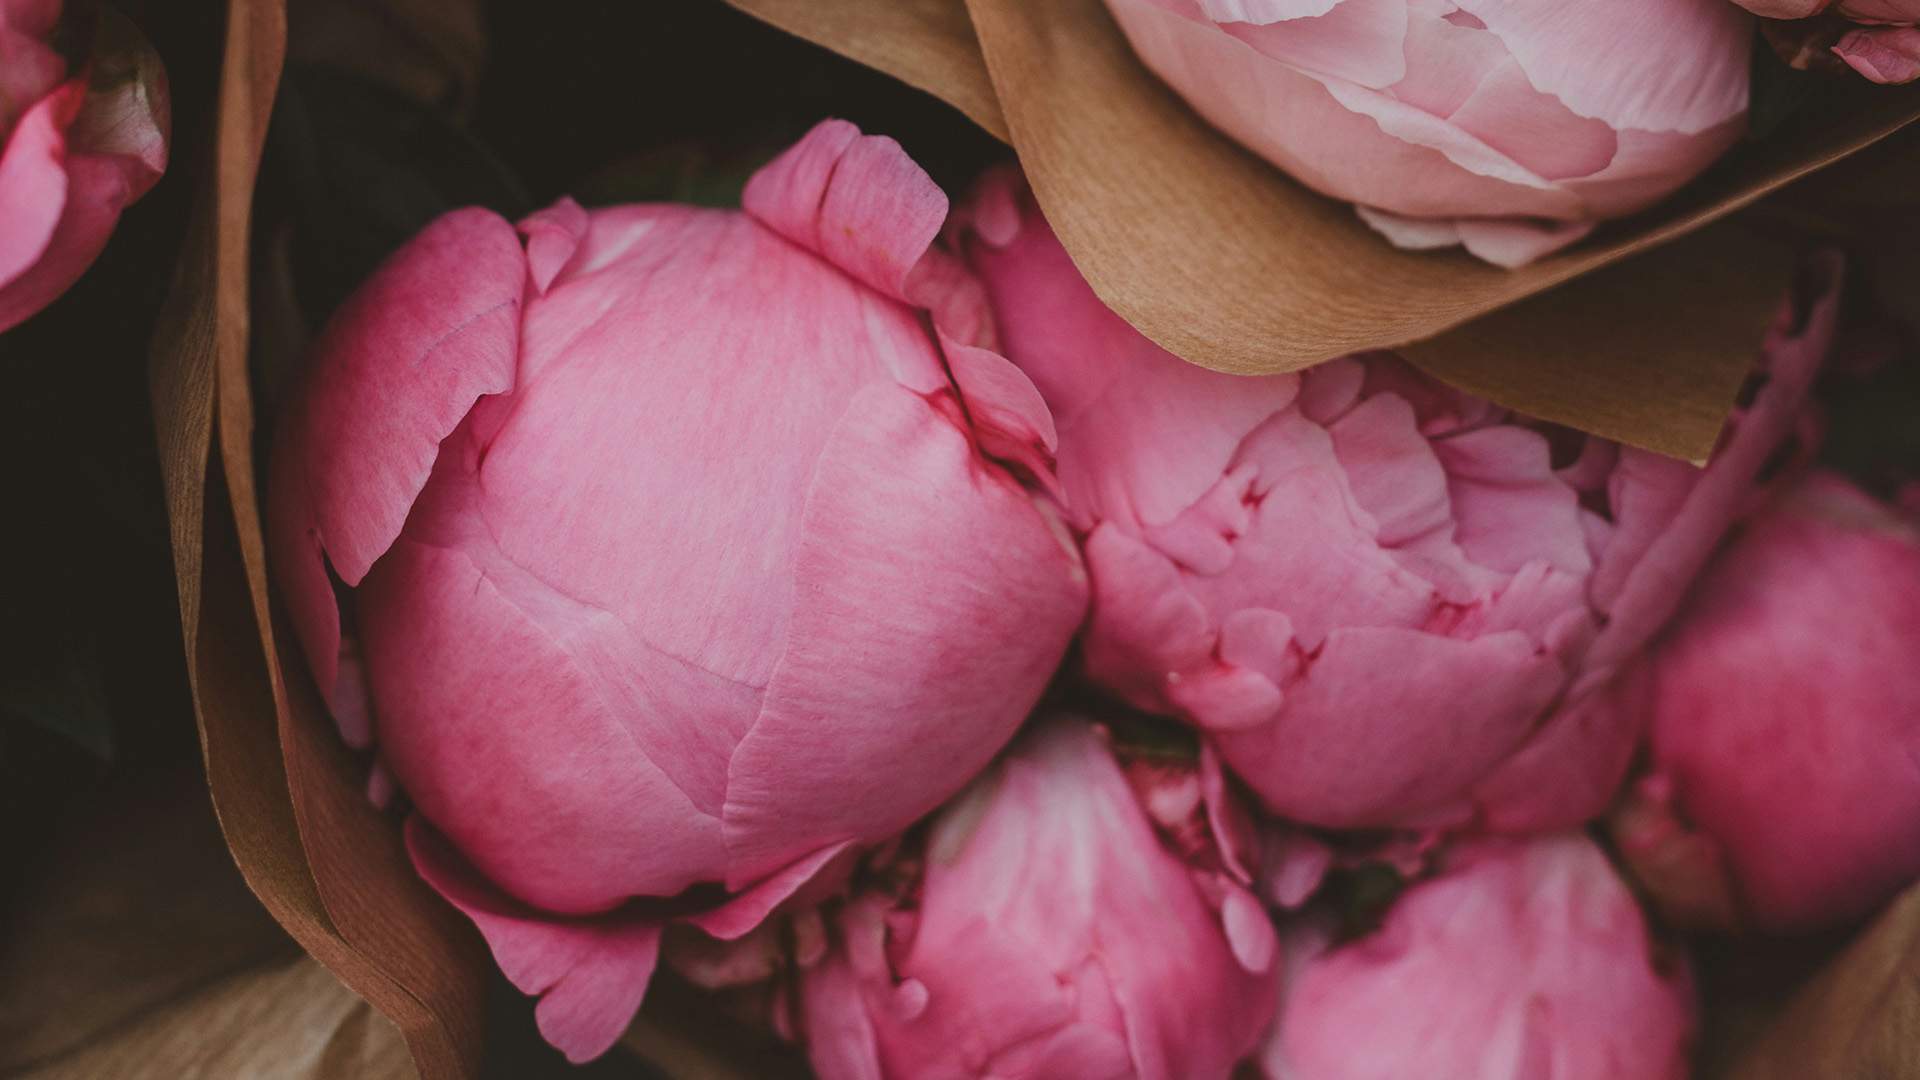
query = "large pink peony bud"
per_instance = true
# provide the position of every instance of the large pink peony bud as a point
(1047, 933)
(1877, 38)
(77, 146)
(1508, 127)
(1785, 707)
(686, 548)
(1520, 960)
(1385, 601)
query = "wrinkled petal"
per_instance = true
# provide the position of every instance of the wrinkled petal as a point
(590, 974)
(856, 200)
(1656, 65)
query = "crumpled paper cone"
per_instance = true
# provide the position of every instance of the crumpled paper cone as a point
(1227, 262)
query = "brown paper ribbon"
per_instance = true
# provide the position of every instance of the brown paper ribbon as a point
(1225, 261)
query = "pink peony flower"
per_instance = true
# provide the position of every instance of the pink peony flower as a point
(1785, 707)
(686, 548)
(76, 148)
(1877, 38)
(1047, 933)
(1385, 602)
(1522, 959)
(1511, 128)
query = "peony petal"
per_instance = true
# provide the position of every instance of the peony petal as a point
(1534, 129)
(1145, 626)
(1260, 12)
(1337, 137)
(899, 506)
(1884, 54)
(747, 910)
(1570, 769)
(1343, 754)
(506, 715)
(590, 974)
(1656, 65)
(856, 200)
(33, 189)
(1145, 434)
(434, 329)
(1361, 41)
(553, 237)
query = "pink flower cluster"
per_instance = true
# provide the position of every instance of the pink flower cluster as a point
(695, 575)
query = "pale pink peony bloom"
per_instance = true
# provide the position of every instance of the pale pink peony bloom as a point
(1047, 932)
(1785, 707)
(1509, 127)
(77, 147)
(1387, 603)
(1521, 960)
(686, 548)
(1877, 38)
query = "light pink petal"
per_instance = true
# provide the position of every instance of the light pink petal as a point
(879, 708)
(504, 716)
(1884, 54)
(1336, 137)
(1267, 11)
(33, 189)
(856, 200)
(1509, 243)
(1388, 726)
(1360, 41)
(1516, 242)
(839, 1031)
(1534, 129)
(590, 974)
(1657, 65)
(1650, 165)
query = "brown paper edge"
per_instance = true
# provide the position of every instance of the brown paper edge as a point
(199, 381)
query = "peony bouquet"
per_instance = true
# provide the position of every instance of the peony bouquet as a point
(1361, 539)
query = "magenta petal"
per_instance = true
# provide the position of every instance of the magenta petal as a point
(743, 913)
(1343, 753)
(856, 200)
(553, 237)
(898, 684)
(434, 329)
(591, 974)
(506, 715)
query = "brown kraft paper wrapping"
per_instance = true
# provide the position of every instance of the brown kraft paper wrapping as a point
(1226, 262)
